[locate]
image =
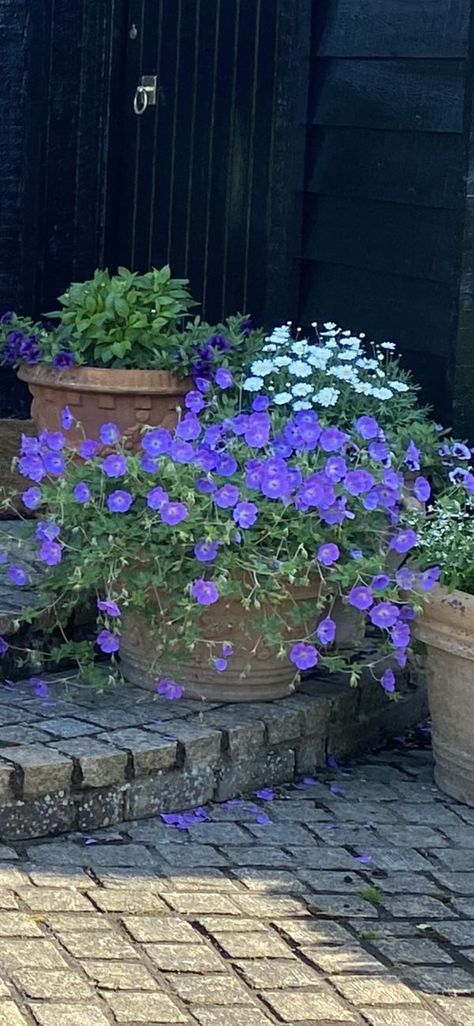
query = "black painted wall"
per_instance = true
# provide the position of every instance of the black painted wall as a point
(383, 91)
(384, 196)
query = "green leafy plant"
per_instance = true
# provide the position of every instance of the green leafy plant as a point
(121, 320)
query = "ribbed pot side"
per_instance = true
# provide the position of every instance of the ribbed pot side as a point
(96, 395)
(251, 676)
(447, 629)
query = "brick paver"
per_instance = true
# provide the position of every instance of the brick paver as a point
(349, 905)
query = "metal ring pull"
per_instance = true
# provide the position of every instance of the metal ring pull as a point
(140, 100)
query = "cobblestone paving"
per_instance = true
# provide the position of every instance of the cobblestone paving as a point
(347, 900)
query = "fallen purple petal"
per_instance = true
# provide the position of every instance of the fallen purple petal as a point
(265, 794)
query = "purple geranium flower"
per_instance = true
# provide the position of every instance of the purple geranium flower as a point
(206, 551)
(257, 430)
(108, 642)
(224, 378)
(367, 427)
(47, 530)
(326, 631)
(335, 468)
(63, 360)
(88, 448)
(156, 442)
(358, 481)
(412, 457)
(404, 541)
(50, 553)
(203, 384)
(205, 485)
(220, 664)
(226, 465)
(260, 403)
(245, 514)
(304, 656)
(156, 497)
(332, 439)
(384, 614)
(169, 689)
(429, 578)
(109, 607)
(173, 513)
(388, 681)
(114, 465)
(109, 433)
(205, 592)
(400, 635)
(194, 402)
(7, 317)
(405, 578)
(82, 492)
(54, 463)
(422, 489)
(188, 428)
(328, 553)
(461, 451)
(379, 452)
(32, 467)
(227, 496)
(149, 465)
(54, 440)
(17, 575)
(360, 597)
(181, 451)
(67, 419)
(119, 501)
(380, 582)
(40, 687)
(32, 498)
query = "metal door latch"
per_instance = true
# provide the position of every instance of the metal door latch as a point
(145, 94)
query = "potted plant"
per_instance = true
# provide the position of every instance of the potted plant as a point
(220, 552)
(123, 349)
(446, 627)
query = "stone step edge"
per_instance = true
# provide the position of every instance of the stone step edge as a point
(255, 746)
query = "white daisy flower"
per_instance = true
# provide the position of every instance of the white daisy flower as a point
(380, 374)
(399, 386)
(327, 396)
(281, 398)
(319, 358)
(350, 340)
(270, 348)
(368, 364)
(388, 345)
(302, 404)
(299, 369)
(382, 393)
(349, 354)
(252, 384)
(363, 388)
(261, 368)
(282, 361)
(329, 325)
(299, 348)
(344, 373)
(301, 389)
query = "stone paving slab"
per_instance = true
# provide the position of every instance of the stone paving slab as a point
(61, 770)
(109, 930)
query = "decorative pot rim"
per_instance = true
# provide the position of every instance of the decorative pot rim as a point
(104, 379)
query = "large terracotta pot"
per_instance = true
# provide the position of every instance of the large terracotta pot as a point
(251, 676)
(95, 395)
(447, 629)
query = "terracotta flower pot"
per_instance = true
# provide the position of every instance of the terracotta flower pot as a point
(254, 673)
(447, 629)
(95, 395)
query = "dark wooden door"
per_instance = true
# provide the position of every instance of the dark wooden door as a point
(207, 179)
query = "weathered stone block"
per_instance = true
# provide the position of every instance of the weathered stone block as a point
(276, 766)
(150, 752)
(43, 769)
(168, 792)
(52, 814)
(100, 764)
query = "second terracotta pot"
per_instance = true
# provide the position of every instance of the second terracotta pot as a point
(254, 673)
(96, 395)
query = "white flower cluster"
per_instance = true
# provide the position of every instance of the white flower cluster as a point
(293, 372)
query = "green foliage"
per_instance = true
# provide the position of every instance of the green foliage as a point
(123, 320)
(446, 538)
